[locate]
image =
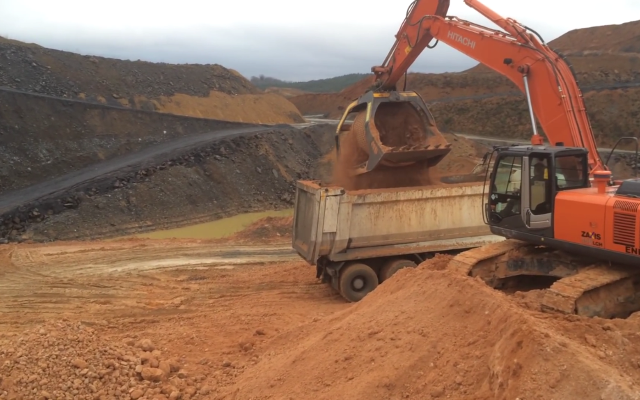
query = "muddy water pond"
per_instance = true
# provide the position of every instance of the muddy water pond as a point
(215, 229)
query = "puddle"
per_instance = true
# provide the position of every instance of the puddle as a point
(215, 229)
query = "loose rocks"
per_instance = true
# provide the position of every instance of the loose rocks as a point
(65, 360)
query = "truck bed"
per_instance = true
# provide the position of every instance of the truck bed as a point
(343, 225)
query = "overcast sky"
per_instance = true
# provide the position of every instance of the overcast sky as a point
(286, 39)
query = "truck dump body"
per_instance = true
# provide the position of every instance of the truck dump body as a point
(340, 225)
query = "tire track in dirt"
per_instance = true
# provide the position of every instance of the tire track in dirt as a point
(116, 277)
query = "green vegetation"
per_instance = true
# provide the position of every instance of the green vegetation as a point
(316, 86)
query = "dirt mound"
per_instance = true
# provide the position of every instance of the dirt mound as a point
(265, 230)
(429, 334)
(212, 181)
(61, 359)
(251, 108)
(332, 105)
(464, 156)
(621, 38)
(64, 74)
(285, 92)
(210, 91)
(611, 113)
(43, 137)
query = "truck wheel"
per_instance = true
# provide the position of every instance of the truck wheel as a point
(356, 280)
(392, 266)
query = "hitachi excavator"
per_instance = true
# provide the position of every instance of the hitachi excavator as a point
(562, 214)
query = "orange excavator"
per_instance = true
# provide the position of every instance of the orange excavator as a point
(557, 206)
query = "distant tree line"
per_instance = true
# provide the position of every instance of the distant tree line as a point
(316, 86)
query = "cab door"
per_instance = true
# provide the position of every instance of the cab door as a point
(537, 193)
(504, 208)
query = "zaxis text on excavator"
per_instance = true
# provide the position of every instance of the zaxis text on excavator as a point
(561, 213)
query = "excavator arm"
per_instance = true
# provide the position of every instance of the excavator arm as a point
(552, 91)
(410, 36)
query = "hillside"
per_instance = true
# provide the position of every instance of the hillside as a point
(329, 85)
(469, 101)
(209, 91)
(623, 38)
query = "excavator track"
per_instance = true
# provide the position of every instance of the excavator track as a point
(464, 262)
(596, 291)
(584, 288)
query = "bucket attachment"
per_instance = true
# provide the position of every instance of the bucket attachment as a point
(388, 130)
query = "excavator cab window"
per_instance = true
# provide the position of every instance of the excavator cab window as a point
(571, 172)
(505, 198)
(540, 185)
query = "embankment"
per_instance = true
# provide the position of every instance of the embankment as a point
(43, 137)
(210, 91)
(203, 183)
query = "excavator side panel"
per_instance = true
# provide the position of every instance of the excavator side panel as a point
(622, 231)
(579, 217)
(608, 222)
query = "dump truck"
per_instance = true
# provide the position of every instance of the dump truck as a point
(556, 203)
(357, 239)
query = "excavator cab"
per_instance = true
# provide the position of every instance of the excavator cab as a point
(524, 182)
(387, 130)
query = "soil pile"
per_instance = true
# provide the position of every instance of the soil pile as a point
(68, 360)
(622, 38)
(612, 115)
(187, 89)
(285, 92)
(331, 105)
(428, 334)
(211, 181)
(33, 68)
(266, 108)
(463, 158)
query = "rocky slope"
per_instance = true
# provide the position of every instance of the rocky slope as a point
(204, 183)
(622, 38)
(613, 114)
(186, 89)
(43, 137)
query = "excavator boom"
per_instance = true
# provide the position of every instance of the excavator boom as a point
(517, 52)
(410, 36)
(554, 204)
(553, 94)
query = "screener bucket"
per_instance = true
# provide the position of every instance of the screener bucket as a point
(387, 130)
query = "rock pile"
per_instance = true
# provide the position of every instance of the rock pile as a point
(64, 74)
(69, 360)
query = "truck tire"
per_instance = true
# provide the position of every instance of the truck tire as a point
(392, 266)
(356, 281)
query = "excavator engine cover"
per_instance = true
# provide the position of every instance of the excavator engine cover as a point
(390, 129)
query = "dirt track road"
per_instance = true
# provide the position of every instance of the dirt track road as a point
(199, 302)
(128, 162)
(116, 278)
